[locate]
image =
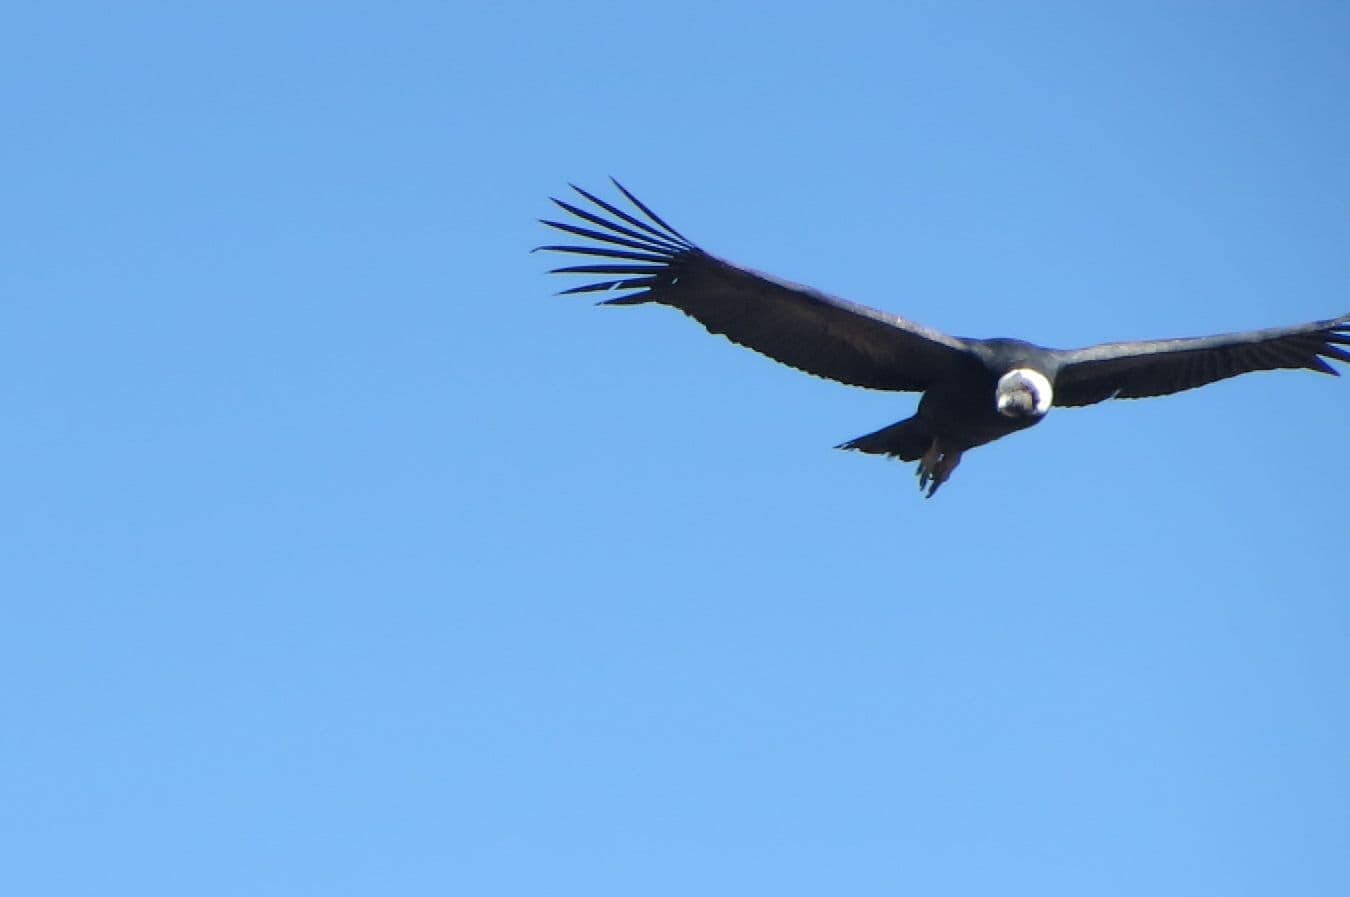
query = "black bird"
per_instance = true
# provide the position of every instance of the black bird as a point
(974, 390)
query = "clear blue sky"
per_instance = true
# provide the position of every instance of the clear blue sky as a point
(339, 557)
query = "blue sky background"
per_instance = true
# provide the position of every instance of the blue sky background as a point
(339, 557)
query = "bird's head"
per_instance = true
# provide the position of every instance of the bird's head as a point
(1023, 393)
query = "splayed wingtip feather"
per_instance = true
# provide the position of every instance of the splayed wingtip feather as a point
(648, 212)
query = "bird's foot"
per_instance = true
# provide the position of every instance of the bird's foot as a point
(935, 467)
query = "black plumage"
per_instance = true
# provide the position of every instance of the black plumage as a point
(974, 390)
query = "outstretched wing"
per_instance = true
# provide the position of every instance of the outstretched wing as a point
(636, 254)
(1159, 367)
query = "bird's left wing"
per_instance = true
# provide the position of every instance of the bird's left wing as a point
(640, 257)
(1158, 367)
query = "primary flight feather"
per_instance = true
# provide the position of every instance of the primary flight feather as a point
(974, 390)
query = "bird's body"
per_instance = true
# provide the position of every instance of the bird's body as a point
(959, 413)
(974, 390)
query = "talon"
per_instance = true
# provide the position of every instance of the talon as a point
(928, 468)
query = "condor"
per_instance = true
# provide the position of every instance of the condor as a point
(974, 390)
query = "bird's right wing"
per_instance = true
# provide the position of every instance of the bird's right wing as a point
(646, 260)
(1158, 367)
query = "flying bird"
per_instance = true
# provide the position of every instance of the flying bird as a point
(974, 390)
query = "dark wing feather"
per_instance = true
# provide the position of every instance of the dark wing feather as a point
(1159, 367)
(639, 255)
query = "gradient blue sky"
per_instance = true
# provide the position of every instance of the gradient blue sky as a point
(339, 557)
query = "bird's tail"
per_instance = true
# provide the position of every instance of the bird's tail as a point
(907, 440)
